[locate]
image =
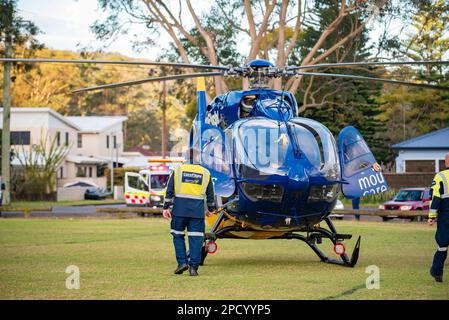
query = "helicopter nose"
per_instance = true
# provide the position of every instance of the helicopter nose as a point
(298, 182)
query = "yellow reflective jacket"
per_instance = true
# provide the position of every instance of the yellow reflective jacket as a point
(188, 188)
(440, 194)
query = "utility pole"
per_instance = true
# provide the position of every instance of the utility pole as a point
(6, 135)
(111, 146)
(164, 119)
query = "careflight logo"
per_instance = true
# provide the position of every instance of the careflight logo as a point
(376, 167)
(192, 177)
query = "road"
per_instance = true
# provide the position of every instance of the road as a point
(90, 211)
(66, 211)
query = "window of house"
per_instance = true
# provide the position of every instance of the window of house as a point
(80, 172)
(107, 142)
(80, 140)
(61, 171)
(115, 142)
(90, 172)
(67, 139)
(420, 166)
(58, 138)
(20, 138)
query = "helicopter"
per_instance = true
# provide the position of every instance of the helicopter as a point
(276, 175)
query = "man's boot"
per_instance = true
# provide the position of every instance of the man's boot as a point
(437, 278)
(193, 271)
(181, 268)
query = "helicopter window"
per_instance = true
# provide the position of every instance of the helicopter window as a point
(262, 147)
(216, 154)
(309, 146)
(318, 145)
(357, 155)
(275, 101)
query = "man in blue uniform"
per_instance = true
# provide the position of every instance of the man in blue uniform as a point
(439, 208)
(188, 188)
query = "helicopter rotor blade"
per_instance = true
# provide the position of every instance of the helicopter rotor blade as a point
(135, 82)
(118, 62)
(366, 63)
(349, 76)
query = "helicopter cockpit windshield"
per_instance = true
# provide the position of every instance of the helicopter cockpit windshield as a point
(261, 148)
(318, 144)
(266, 147)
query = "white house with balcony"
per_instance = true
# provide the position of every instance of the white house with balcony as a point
(93, 141)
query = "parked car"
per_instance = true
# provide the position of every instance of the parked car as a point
(95, 194)
(338, 206)
(408, 199)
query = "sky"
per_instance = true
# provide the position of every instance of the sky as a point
(65, 25)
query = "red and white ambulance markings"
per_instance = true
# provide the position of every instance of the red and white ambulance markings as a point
(132, 198)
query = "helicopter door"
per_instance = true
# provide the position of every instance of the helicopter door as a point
(360, 171)
(136, 189)
(216, 157)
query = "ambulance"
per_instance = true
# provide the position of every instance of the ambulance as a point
(147, 188)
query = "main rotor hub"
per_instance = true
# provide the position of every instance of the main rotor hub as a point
(260, 72)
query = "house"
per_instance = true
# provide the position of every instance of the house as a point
(423, 153)
(93, 141)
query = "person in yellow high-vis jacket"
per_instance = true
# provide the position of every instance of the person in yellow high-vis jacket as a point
(439, 209)
(189, 187)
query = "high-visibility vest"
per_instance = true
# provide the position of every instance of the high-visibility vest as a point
(440, 189)
(190, 181)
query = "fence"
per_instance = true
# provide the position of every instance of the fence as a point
(408, 180)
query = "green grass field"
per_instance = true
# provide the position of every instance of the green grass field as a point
(134, 259)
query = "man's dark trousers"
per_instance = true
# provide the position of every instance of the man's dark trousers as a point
(442, 239)
(195, 231)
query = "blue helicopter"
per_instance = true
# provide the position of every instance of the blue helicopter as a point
(277, 175)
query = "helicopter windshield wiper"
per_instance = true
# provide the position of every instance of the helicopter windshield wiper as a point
(294, 137)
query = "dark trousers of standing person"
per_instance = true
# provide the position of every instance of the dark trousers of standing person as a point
(355, 206)
(195, 231)
(442, 239)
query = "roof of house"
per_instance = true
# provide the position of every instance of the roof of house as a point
(434, 140)
(143, 151)
(79, 159)
(96, 124)
(43, 110)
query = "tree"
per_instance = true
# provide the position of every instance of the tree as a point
(37, 174)
(13, 31)
(249, 20)
(409, 112)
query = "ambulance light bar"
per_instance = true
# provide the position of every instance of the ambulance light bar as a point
(159, 168)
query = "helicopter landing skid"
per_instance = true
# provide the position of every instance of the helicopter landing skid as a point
(313, 238)
(318, 233)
